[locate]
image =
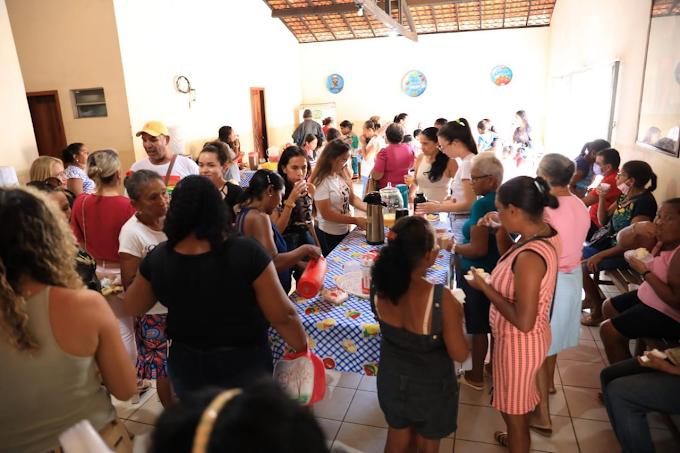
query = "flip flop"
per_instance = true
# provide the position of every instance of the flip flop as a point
(462, 380)
(589, 320)
(545, 432)
(501, 437)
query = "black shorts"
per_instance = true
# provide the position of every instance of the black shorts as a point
(635, 319)
(476, 308)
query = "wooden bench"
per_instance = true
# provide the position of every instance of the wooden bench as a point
(620, 278)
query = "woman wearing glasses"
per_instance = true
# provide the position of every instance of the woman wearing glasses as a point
(456, 141)
(51, 170)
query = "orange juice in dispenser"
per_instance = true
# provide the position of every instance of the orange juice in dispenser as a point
(366, 263)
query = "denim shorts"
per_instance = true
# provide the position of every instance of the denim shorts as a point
(192, 369)
(611, 263)
(429, 405)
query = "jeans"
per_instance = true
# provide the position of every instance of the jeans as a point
(328, 241)
(191, 369)
(294, 241)
(631, 391)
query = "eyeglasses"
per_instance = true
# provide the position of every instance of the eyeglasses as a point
(475, 178)
(441, 148)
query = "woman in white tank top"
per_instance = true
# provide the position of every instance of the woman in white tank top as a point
(434, 169)
(53, 334)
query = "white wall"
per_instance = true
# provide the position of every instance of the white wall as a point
(457, 67)
(223, 48)
(587, 33)
(17, 147)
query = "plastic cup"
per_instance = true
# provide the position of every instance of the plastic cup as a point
(605, 187)
(443, 239)
(494, 220)
(409, 179)
(389, 220)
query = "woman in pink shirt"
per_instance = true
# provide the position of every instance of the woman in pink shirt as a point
(572, 221)
(394, 161)
(654, 309)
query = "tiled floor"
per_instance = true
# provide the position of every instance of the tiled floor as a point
(353, 422)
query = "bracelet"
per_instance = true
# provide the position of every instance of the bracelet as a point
(645, 273)
(453, 249)
(290, 204)
(438, 205)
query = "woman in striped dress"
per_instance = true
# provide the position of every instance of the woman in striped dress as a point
(521, 290)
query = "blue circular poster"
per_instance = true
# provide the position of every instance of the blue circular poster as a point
(414, 83)
(335, 83)
(501, 75)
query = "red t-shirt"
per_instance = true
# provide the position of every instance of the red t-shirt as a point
(104, 218)
(611, 197)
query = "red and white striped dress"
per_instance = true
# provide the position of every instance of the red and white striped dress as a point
(517, 356)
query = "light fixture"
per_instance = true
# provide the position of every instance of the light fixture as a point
(392, 33)
(360, 13)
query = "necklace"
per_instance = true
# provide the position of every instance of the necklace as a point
(522, 242)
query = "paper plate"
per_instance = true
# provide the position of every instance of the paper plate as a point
(351, 283)
(633, 254)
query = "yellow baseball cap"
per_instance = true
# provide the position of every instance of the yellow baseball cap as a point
(154, 128)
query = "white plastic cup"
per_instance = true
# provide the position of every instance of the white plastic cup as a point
(494, 220)
(605, 187)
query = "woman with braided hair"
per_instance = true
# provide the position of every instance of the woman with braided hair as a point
(53, 333)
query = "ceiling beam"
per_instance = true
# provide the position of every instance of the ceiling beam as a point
(372, 7)
(434, 18)
(350, 8)
(407, 13)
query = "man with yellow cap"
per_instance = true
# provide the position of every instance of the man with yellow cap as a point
(169, 165)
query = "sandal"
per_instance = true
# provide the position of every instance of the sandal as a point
(143, 385)
(462, 380)
(545, 432)
(590, 320)
(501, 437)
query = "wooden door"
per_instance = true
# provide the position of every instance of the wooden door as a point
(257, 106)
(47, 123)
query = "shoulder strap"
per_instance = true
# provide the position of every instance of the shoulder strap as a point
(437, 308)
(170, 167)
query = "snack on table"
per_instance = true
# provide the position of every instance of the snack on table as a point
(335, 295)
(433, 217)
(641, 253)
(479, 271)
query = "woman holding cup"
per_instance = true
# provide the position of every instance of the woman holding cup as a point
(478, 250)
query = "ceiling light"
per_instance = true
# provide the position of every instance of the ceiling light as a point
(360, 13)
(392, 33)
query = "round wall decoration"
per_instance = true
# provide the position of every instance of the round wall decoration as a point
(335, 83)
(414, 83)
(501, 75)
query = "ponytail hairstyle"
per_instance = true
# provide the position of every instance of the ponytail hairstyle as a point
(288, 154)
(224, 133)
(459, 130)
(71, 150)
(219, 148)
(370, 124)
(528, 194)
(400, 117)
(197, 206)
(327, 121)
(102, 167)
(523, 116)
(324, 165)
(376, 120)
(592, 148)
(413, 238)
(641, 172)
(35, 243)
(259, 184)
(348, 124)
(441, 161)
(417, 132)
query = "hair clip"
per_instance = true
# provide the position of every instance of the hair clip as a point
(391, 236)
(269, 180)
(128, 174)
(538, 186)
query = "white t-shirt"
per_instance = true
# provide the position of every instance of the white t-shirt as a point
(183, 168)
(464, 166)
(137, 239)
(375, 145)
(336, 189)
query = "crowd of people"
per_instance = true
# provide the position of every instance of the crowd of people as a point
(524, 248)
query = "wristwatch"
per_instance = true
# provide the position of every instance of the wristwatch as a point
(644, 274)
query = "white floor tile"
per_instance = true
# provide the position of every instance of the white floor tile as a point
(478, 423)
(342, 379)
(585, 351)
(335, 403)
(138, 428)
(149, 411)
(468, 395)
(562, 440)
(359, 439)
(330, 428)
(580, 374)
(583, 403)
(368, 383)
(365, 410)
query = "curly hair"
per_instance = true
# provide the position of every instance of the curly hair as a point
(197, 206)
(35, 243)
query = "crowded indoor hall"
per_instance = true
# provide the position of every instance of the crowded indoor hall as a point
(340, 226)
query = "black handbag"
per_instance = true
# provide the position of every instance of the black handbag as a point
(602, 238)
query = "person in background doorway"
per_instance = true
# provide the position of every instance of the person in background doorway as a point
(227, 136)
(440, 122)
(212, 162)
(307, 126)
(160, 159)
(585, 163)
(50, 170)
(334, 195)
(488, 139)
(75, 158)
(139, 235)
(54, 334)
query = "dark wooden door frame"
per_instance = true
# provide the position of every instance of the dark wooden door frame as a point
(260, 93)
(54, 93)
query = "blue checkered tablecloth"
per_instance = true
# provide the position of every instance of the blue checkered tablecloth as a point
(347, 337)
(246, 176)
